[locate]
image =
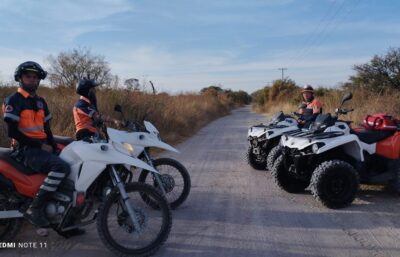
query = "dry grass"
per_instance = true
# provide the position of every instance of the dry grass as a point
(363, 102)
(176, 116)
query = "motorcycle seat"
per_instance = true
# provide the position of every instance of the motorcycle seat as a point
(371, 136)
(5, 155)
(63, 140)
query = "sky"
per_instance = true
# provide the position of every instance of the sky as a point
(184, 45)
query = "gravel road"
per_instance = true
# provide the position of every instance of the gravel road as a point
(234, 210)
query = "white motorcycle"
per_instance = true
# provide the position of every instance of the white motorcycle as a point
(264, 140)
(94, 191)
(172, 179)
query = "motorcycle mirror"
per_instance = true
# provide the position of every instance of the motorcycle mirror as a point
(347, 97)
(118, 108)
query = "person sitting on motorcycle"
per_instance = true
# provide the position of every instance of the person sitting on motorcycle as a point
(310, 108)
(28, 122)
(85, 110)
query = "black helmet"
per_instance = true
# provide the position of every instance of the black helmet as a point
(29, 66)
(83, 89)
(84, 85)
(308, 88)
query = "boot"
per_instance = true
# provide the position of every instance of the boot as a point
(35, 213)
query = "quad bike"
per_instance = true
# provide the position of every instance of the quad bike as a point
(94, 191)
(333, 159)
(172, 179)
(264, 140)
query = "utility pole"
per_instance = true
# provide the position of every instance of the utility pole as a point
(282, 69)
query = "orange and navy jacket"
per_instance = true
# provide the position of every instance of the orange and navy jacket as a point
(29, 112)
(83, 114)
(313, 107)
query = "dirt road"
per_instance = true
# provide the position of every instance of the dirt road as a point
(234, 210)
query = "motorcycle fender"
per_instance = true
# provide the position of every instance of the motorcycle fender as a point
(106, 154)
(146, 140)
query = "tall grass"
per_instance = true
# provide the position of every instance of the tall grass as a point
(176, 116)
(364, 102)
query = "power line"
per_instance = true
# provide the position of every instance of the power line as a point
(325, 31)
(316, 29)
(282, 69)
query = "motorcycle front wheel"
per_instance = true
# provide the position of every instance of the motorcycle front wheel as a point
(116, 230)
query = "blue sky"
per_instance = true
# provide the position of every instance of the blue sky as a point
(186, 45)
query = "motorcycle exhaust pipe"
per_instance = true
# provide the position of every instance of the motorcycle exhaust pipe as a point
(10, 214)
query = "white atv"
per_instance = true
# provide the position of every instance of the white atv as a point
(264, 138)
(172, 179)
(132, 219)
(333, 159)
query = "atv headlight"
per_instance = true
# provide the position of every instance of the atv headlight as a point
(316, 147)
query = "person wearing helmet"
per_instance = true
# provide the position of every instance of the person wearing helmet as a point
(310, 108)
(28, 122)
(85, 110)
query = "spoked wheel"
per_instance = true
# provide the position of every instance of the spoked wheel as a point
(174, 178)
(8, 227)
(140, 238)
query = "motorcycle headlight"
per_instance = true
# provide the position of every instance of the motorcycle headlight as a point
(128, 147)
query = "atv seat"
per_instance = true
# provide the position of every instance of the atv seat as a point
(63, 140)
(371, 136)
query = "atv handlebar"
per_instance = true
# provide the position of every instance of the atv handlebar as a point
(297, 114)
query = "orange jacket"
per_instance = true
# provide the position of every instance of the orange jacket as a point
(83, 112)
(31, 113)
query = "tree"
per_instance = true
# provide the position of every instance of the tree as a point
(260, 97)
(69, 67)
(282, 90)
(381, 73)
(239, 97)
(212, 88)
(132, 84)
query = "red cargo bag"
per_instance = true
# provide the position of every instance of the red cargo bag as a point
(380, 121)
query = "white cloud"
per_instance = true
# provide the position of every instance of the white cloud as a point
(194, 70)
(66, 11)
(11, 58)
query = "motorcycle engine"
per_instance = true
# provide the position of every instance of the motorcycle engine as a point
(54, 210)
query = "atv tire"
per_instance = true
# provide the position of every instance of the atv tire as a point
(285, 180)
(335, 184)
